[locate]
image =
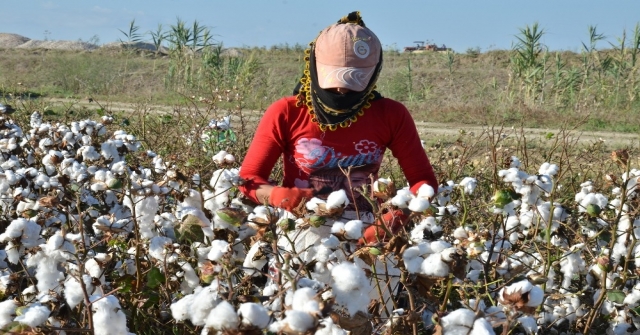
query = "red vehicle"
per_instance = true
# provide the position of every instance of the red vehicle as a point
(421, 46)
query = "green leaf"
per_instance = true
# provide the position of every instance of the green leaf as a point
(155, 278)
(125, 283)
(166, 119)
(616, 296)
(153, 298)
(605, 236)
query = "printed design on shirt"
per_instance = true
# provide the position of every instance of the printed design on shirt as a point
(312, 155)
(366, 146)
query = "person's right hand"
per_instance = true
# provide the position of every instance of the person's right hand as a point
(289, 197)
(393, 220)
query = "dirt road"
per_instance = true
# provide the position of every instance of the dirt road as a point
(427, 130)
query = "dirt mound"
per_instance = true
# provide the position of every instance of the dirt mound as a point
(59, 45)
(11, 40)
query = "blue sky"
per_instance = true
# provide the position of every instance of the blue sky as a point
(460, 24)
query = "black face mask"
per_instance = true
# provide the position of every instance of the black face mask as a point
(333, 108)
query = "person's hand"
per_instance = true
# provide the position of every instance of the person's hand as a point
(393, 220)
(289, 197)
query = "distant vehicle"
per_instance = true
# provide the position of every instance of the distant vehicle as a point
(422, 46)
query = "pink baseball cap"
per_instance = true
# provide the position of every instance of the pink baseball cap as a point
(346, 56)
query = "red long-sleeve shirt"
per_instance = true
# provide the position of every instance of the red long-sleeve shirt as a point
(313, 157)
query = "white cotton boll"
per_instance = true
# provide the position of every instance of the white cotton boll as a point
(350, 287)
(417, 233)
(158, 249)
(419, 204)
(223, 317)
(460, 317)
(34, 315)
(337, 199)
(13, 253)
(73, 292)
(304, 300)
(330, 242)
(381, 184)
(93, 268)
(27, 230)
(434, 266)
(632, 298)
(254, 314)
(89, 153)
(204, 301)
(402, 198)
(481, 327)
(312, 204)
(529, 324)
(108, 150)
(229, 159)
(460, 233)
(99, 186)
(548, 169)
(353, 229)
(439, 245)
(468, 184)
(536, 296)
(329, 328)
(299, 321)
(218, 249)
(191, 279)
(7, 311)
(347, 277)
(412, 260)
(108, 318)
(219, 157)
(337, 227)
(119, 168)
(254, 266)
(223, 179)
(425, 191)
(180, 308)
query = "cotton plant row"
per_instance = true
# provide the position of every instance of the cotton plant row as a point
(85, 221)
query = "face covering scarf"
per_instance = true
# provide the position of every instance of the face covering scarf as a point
(328, 109)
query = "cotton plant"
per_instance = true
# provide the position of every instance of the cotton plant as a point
(315, 256)
(560, 307)
(302, 312)
(108, 317)
(427, 228)
(530, 189)
(571, 264)
(220, 196)
(223, 158)
(521, 296)
(464, 321)
(351, 230)
(350, 287)
(431, 258)
(333, 205)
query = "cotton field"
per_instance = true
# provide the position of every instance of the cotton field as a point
(102, 235)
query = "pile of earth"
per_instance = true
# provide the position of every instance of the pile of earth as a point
(10, 41)
(15, 41)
